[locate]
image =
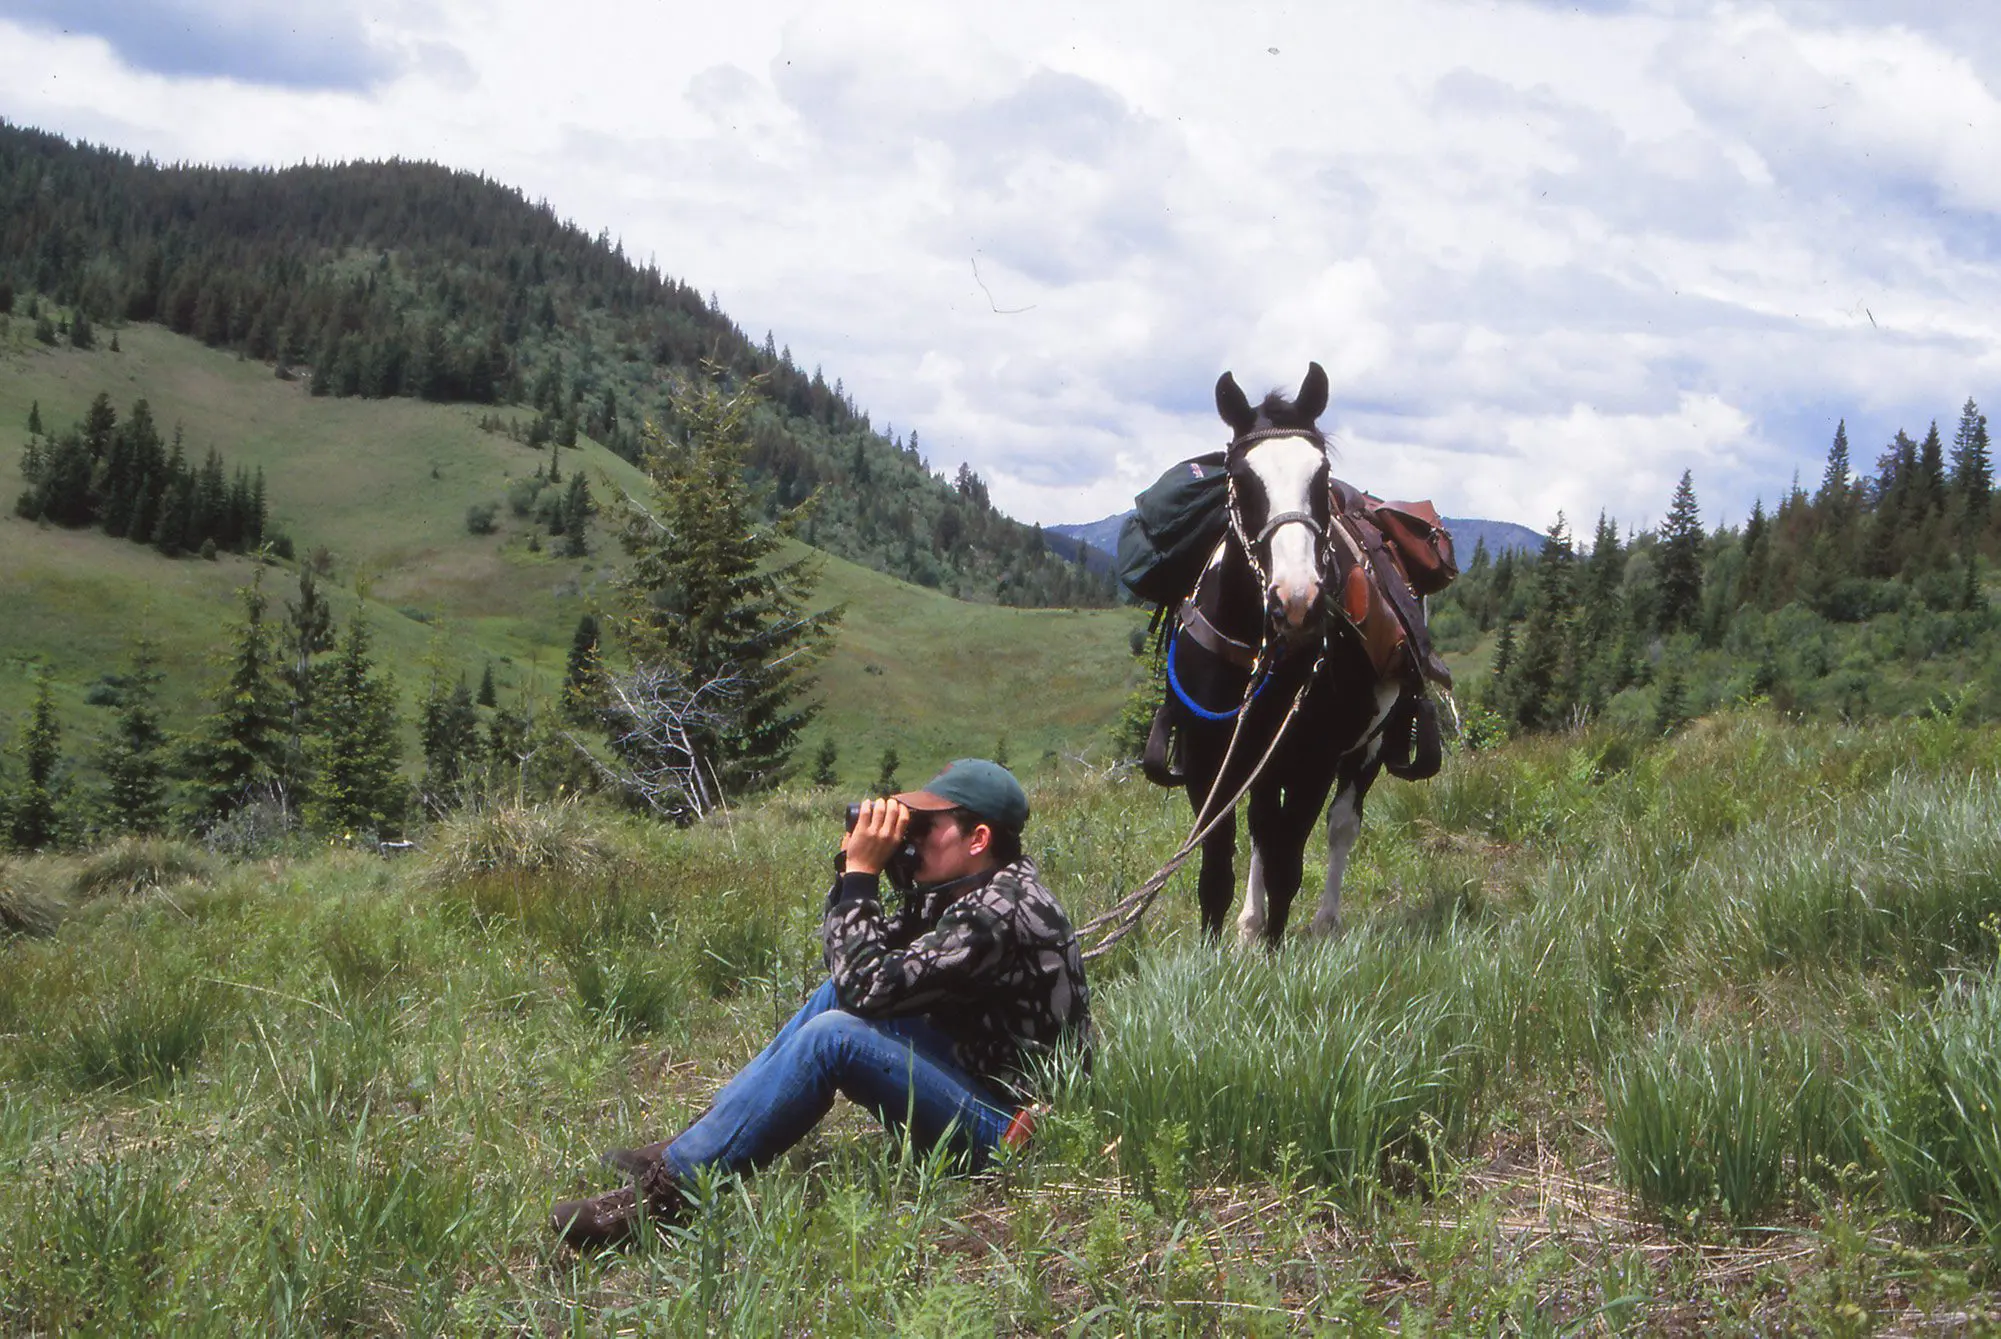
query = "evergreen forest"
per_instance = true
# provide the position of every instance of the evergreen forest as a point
(1866, 597)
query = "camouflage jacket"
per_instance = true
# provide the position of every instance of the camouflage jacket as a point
(990, 960)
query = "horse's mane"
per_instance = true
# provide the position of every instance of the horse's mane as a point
(1279, 410)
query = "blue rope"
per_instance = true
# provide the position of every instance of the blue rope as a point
(1202, 712)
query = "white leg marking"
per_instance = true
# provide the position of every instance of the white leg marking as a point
(1251, 920)
(1344, 824)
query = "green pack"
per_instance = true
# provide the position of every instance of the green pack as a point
(1174, 529)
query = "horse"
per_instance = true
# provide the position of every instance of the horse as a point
(1261, 606)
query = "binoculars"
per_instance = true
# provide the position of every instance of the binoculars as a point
(901, 868)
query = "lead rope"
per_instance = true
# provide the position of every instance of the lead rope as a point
(1125, 915)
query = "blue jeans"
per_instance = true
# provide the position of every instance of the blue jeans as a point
(899, 1068)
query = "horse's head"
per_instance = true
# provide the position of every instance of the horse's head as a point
(1278, 494)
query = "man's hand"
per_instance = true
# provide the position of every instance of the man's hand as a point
(876, 835)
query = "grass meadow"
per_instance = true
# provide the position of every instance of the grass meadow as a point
(1694, 1035)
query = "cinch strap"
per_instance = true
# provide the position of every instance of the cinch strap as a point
(1202, 712)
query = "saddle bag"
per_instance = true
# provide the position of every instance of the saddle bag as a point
(1420, 541)
(1173, 529)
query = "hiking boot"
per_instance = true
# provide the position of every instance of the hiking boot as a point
(600, 1221)
(633, 1162)
(611, 1219)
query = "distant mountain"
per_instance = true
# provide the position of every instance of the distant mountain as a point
(1501, 536)
(1089, 556)
(1101, 539)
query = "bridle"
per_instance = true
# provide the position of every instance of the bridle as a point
(1234, 510)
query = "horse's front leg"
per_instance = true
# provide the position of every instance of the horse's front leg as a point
(1281, 815)
(1219, 852)
(1344, 825)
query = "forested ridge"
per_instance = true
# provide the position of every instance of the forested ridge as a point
(404, 278)
(1866, 596)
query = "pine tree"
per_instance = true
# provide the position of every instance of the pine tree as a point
(134, 761)
(309, 632)
(487, 696)
(236, 751)
(1972, 469)
(448, 731)
(35, 418)
(824, 761)
(576, 512)
(33, 817)
(885, 776)
(1931, 473)
(1681, 559)
(582, 672)
(1757, 556)
(701, 596)
(506, 747)
(1600, 616)
(1540, 687)
(1836, 488)
(354, 747)
(1671, 706)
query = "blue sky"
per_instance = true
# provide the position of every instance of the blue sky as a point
(1551, 254)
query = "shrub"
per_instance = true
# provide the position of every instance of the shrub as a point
(559, 837)
(132, 866)
(481, 518)
(25, 908)
(252, 830)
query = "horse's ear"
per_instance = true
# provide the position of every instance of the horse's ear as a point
(1232, 404)
(1312, 399)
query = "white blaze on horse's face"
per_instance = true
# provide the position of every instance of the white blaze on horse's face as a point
(1289, 469)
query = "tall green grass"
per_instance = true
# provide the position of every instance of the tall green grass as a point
(1931, 1094)
(1695, 1120)
(131, 866)
(1906, 876)
(1559, 946)
(1366, 1064)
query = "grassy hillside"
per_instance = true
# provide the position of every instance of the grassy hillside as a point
(1687, 1036)
(383, 486)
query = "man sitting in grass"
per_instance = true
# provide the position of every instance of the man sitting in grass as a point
(932, 1016)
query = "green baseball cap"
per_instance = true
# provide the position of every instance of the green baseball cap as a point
(986, 789)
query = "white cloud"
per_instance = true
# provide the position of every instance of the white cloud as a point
(1550, 256)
